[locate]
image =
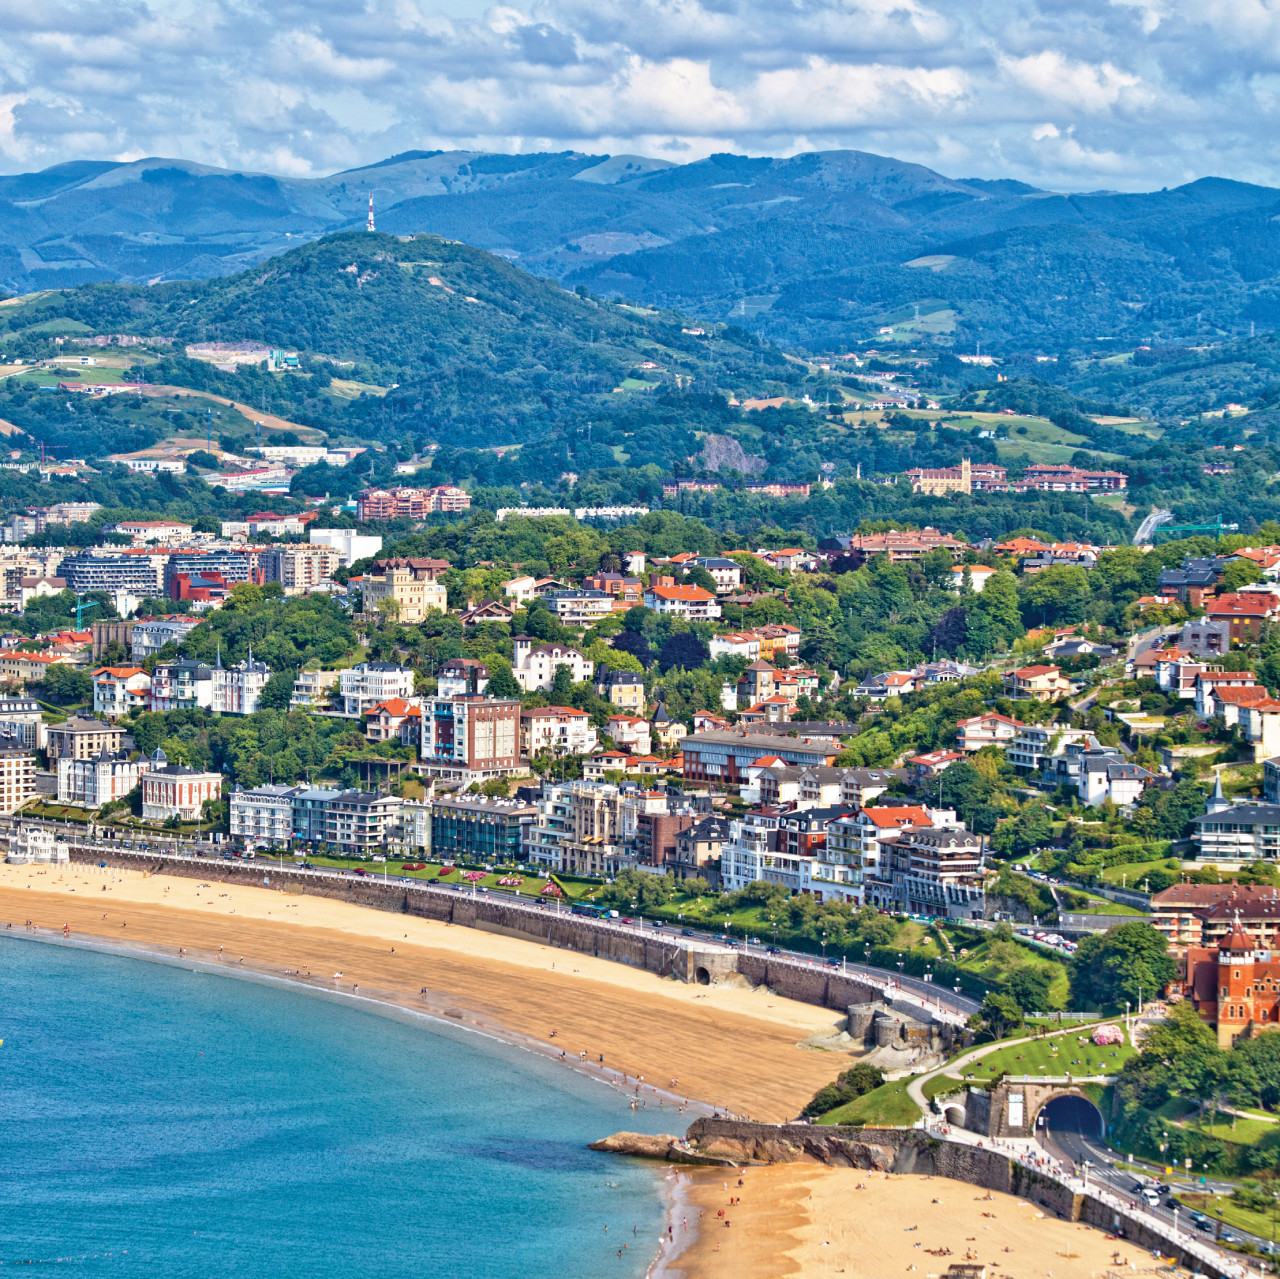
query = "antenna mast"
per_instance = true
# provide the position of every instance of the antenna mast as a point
(368, 226)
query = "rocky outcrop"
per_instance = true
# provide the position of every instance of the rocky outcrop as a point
(723, 451)
(671, 1150)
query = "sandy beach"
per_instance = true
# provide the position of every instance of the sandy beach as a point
(812, 1221)
(730, 1047)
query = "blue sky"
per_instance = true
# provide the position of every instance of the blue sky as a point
(1126, 94)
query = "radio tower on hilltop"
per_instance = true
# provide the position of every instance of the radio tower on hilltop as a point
(368, 226)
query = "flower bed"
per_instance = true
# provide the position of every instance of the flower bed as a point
(1108, 1034)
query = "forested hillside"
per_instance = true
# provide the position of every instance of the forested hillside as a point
(817, 249)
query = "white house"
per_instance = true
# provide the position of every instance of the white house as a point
(989, 729)
(521, 589)
(631, 733)
(534, 665)
(90, 783)
(979, 575)
(349, 544)
(117, 690)
(559, 729)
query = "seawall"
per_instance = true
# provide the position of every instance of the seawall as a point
(648, 948)
(917, 1150)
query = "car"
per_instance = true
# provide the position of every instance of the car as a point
(433, 881)
(1206, 1226)
(1227, 1237)
(773, 950)
(626, 919)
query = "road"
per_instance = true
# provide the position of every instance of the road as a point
(1149, 526)
(944, 999)
(1070, 1133)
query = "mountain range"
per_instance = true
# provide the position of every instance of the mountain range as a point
(816, 250)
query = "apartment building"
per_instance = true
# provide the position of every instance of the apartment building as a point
(361, 823)
(21, 719)
(300, 569)
(379, 505)
(263, 816)
(311, 689)
(81, 738)
(462, 677)
(560, 730)
(579, 609)
(476, 829)
(929, 871)
(989, 729)
(310, 814)
(364, 686)
(180, 685)
(579, 829)
(148, 635)
(471, 739)
(90, 783)
(17, 775)
(349, 544)
(726, 756)
(624, 689)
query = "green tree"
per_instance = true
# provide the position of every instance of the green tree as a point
(561, 685)
(278, 691)
(849, 1086)
(502, 683)
(1127, 963)
(999, 1014)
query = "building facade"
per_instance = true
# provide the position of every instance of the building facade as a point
(173, 790)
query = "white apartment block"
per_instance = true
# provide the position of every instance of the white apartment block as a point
(22, 719)
(151, 634)
(118, 690)
(559, 729)
(364, 686)
(349, 544)
(17, 776)
(263, 815)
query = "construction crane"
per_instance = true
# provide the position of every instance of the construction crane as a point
(81, 608)
(1191, 530)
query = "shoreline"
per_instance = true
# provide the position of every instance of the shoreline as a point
(380, 1002)
(739, 1050)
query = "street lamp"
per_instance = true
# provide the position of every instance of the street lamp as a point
(824, 948)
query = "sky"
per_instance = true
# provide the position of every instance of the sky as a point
(1126, 94)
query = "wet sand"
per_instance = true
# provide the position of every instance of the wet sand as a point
(733, 1048)
(812, 1221)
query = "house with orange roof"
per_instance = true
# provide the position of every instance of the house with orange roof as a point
(979, 575)
(396, 719)
(117, 690)
(683, 601)
(1037, 683)
(1021, 546)
(988, 729)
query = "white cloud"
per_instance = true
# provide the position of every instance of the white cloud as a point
(1059, 92)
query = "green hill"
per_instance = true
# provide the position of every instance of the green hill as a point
(467, 347)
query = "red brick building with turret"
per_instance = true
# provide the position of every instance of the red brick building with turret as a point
(1235, 987)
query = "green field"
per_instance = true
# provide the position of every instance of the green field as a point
(1060, 1055)
(885, 1107)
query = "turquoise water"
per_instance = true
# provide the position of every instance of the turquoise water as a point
(162, 1122)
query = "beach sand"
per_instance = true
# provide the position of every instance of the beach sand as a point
(731, 1047)
(812, 1221)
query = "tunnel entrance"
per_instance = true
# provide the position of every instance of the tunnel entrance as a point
(702, 977)
(1072, 1114)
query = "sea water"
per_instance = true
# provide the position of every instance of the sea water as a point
(165, 1122)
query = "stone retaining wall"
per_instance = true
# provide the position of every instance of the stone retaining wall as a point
(913, 1150)
(666, 956)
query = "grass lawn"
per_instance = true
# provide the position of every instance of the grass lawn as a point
(1104, 906)
(940, 1085)
(1130, 874)
(985, 962)
(1245, 1133)
(885, 1107)
(1062, 1055)
(63, 812)
(1258, 1223)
